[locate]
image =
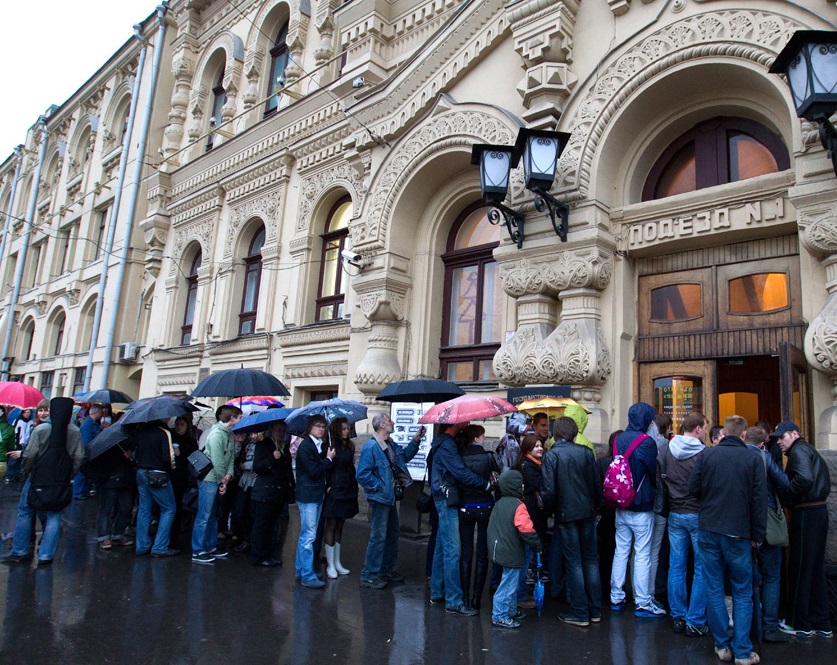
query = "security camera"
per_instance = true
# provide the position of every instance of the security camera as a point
(282, 81)
(350, 257)
(212, 121)
(359, 82)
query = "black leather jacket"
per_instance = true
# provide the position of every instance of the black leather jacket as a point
(481, 462)
(570, 484)
(808, 475)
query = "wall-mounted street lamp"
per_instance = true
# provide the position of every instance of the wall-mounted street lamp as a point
(809, 61)
(540, 151)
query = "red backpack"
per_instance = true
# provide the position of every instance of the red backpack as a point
(618, 487)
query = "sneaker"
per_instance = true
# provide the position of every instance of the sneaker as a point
(753, 659)
(202, 558)
(437, 601)
(122, 542)
(678, 625)
(650, 611)
(315, 583)
(775, 636)
(461, 610)
(790, 630)
(617, 607)
(374, 583)
(506, 623)
(574, 620)
(16, 558)
(166, 553)
(826, 634)
(219, 554)
(531, 577)
(595, 618)
(697, 631)
(105, 544)
(724, 654)
(519, 615)
(393, 576)
(528, 604)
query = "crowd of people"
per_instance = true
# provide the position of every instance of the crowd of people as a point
(743, 508)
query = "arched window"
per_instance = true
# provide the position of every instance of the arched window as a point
(252, 279)
(331, 294)
(191, 299)
(472, 323)
(26, 341)
(219, 98)
(716, 152)
(278, 62)
(59, 333)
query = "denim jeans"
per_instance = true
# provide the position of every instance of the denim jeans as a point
(445, 578)
(770, 567)
(716, 551)
(205, 530)
(309, 516)
(529, 557)
(148, 496)
(382, 550)
(656, 545)
(23, 529)
(683, 533)
(81, 485)
(581, 558)
(639, 528)
(504, 605)
(556, 564)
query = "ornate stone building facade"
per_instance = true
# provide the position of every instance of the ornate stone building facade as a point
(699, 269)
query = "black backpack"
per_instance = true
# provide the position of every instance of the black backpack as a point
(49, 485)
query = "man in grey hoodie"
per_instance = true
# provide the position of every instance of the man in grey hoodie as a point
(675, 462)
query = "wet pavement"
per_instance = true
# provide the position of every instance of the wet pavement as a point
(113, 607)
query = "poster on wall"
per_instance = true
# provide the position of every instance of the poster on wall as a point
(405, 416)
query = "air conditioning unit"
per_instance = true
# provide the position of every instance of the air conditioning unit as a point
(128, 352)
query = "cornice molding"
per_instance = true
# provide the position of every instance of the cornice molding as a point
(294, 337)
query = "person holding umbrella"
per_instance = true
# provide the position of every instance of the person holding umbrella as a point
(341, 494)
(311, 470)
(220, 451)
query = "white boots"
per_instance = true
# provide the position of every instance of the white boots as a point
(335, 568)
(338, 566)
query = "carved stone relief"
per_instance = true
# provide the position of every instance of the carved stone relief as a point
(202, 232)
(754, 35)
(266, 207)
(570, 269)
(342, 175)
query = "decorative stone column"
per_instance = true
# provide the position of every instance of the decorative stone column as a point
(381, 301)
(575, 352)
(818, 232)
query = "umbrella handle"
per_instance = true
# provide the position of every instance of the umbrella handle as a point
(539, 559)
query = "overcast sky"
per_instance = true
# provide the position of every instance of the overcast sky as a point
(50, 48)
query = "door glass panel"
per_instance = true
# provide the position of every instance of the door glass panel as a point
(763, 292)
(676, 302)
(677, 396)
(463, 306)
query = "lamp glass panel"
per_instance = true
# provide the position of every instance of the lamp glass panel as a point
(542, 153)
(798, 80)
(495, 169)
(824, 66)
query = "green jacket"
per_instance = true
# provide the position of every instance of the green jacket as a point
(7, 438)
(579, 415)
(220, 451)
(510, 525)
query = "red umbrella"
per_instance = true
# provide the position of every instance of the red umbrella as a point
(465, 408)
(19, 394)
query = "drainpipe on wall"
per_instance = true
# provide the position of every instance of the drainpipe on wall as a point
(114, 211)
(21, 259)
(132, 204)
(4, 319)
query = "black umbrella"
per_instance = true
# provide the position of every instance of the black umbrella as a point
(103, 396)
(420, 390)
(181, 397)
(158, 408)
(109, 437)
(240, 382)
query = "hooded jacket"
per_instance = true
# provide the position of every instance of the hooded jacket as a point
(579, 415)
(678, 458)
(510, 526)
(643, 461)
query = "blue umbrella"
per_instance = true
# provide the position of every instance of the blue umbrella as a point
(538, 593)
(330, 409)
(263, 420)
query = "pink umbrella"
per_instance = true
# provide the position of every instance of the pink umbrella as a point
(254, 400)
(465, 408)
(19, 394)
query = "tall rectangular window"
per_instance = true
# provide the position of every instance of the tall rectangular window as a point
(47, 379)
(79, 376)
(100, 224)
